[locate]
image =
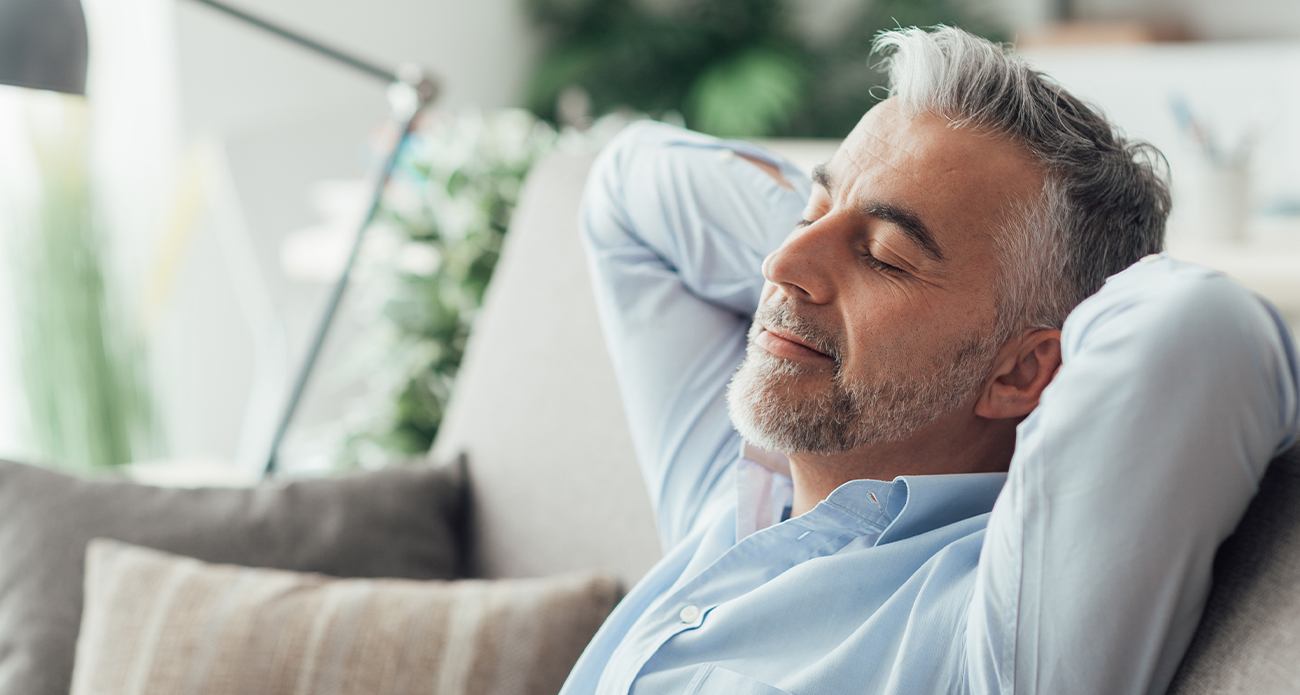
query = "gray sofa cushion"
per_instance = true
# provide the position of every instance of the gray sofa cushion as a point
(1249, 637)
(402, 522)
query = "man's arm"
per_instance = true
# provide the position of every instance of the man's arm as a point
(676, 226)
(1177, 388)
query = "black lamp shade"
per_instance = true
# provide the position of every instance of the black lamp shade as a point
(43, 45)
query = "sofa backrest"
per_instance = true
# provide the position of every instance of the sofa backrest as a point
(536, 409)
(1249, 638)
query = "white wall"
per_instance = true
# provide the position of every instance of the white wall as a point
(234, 78)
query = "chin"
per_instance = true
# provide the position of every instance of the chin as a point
(782, 406)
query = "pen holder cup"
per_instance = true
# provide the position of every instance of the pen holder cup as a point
(1219, 200)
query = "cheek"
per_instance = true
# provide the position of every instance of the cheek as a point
(890, 332)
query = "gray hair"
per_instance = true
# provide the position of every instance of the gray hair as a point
(1103, 204)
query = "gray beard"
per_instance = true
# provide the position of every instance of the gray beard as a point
(769, 413)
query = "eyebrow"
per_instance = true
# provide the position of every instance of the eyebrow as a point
(897, 215)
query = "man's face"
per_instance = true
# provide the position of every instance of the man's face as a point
(890, 286)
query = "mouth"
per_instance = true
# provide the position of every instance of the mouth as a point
(784, 344)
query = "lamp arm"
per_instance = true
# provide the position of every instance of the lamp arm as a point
(337, 55)
(413, 101)
(411, 92)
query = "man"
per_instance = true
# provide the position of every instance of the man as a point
(941, 437)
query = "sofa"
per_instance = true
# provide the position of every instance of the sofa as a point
(555, 487)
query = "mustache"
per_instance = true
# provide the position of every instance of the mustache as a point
(782, 317)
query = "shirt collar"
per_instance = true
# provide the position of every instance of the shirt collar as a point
(906, 506)
(927, 502)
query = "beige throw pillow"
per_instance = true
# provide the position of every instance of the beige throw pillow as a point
(160, 623)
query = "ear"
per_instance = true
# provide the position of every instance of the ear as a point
(1023, 368)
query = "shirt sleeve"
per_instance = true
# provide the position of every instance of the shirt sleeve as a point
(676, 227)
(1177, 387)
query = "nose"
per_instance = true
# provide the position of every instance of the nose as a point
(799, 266)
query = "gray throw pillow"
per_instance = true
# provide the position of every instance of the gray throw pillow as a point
(401, 522)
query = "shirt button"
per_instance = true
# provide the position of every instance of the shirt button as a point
(689, 614)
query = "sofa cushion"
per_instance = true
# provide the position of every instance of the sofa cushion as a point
(1249, 636)
(402, 522)
(160, 623)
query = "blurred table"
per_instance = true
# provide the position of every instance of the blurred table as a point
(1268, 263)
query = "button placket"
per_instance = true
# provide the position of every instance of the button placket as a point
(693, 602)
(690, 613)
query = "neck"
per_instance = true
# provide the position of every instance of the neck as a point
(943, 446)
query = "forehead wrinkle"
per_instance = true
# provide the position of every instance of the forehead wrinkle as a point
(858, 163)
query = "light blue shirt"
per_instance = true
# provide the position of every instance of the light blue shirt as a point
(1084, 569)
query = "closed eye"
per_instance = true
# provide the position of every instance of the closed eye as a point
(880, 265)
(867, 257)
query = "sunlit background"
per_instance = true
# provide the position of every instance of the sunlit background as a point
(169, 240)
